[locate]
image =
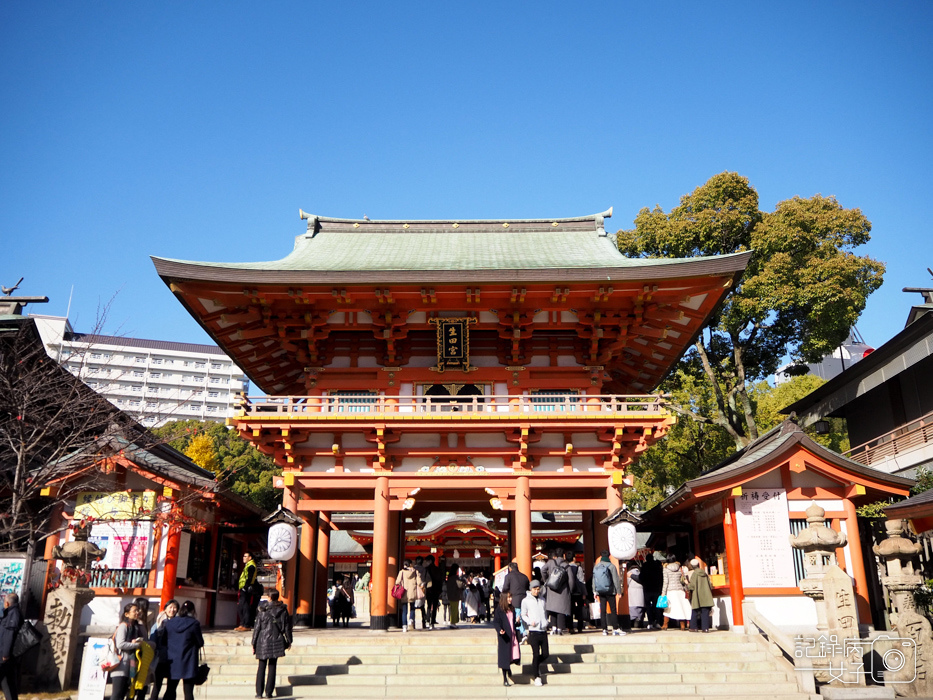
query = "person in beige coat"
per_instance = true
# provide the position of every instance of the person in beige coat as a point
(410, 579)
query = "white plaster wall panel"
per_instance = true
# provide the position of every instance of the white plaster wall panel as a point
(798, 508)
(494, 464)
(337, 318)
(484, 361)
(541, 317)
(367, 361)
(356, 464)
(844, 526)
(318, 440)
(488, 440)
(550, 440)
(588, 440)
(363, 317)
(585, 464)
(321, 464)
(413, 464)
(786, 611)
(418, 317)
(550, 464)
(426, 440)
(811, 478)
(355, 441)
(103, 613)
(339, 362)
(771, 480)
(422, 361)
(488, 317)
(406, 390)
(538, 361)
(452, 440)
(568, 317)
(567, 361)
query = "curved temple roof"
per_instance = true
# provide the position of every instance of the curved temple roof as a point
(336, 250)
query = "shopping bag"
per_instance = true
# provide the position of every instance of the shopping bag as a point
(662, 601)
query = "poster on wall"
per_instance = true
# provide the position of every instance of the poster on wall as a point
(763, 525)
(11, 574)
(127, 543)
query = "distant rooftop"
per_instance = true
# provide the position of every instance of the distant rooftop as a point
(120, 341)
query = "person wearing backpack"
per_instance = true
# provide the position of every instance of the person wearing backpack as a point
(9, 629)
(577, 592)
(556, 574)
(606, 587)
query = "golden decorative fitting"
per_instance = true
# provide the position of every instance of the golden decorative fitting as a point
(505, 225)
(356, 225)
(405, 226)
(555, 224)
(456, 225)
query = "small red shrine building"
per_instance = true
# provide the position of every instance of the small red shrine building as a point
(738, 517)
(411, 367)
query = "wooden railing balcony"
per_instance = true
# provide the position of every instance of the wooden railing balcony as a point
(119, 578)
(899, 441)
(570, 405)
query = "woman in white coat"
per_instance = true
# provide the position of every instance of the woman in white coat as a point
(678, 607)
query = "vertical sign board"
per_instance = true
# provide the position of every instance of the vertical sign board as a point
(763, 526)
(453, 343)
(93, 681)
(12, 567)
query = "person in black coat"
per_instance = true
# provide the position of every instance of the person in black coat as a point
(516, 584)
(9, 628)
(183, 640)
(509, 652)
(157, 638)
(272, 636)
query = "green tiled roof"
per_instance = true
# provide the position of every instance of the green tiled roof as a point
(345, 246)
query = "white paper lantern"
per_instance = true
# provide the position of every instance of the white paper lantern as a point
(623, 542)
(283, 541)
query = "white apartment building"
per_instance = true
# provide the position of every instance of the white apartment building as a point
(155, 381)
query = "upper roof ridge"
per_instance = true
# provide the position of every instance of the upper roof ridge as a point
(312, 218)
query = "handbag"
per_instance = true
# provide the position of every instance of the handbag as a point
(398, 591)
(594, 610)
(200, 676)
(663, 601)
(112, 656)
(27, 638)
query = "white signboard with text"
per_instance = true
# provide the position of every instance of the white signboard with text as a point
(763, 526)
(93, 681)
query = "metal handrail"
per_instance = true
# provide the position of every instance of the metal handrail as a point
(898, 441)
(575, 404)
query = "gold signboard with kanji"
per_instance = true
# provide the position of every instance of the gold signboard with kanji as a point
(453, 343)
(119, 505)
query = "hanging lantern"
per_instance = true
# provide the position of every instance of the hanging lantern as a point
(623, 542)
(456, 554)
(283, 541)
(476, 554)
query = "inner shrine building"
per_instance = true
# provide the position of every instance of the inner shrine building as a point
(493, 367)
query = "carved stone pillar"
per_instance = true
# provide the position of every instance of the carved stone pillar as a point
(819, 544)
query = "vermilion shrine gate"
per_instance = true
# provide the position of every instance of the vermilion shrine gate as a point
(495, 367)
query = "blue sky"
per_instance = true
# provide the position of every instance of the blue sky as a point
(197, 130)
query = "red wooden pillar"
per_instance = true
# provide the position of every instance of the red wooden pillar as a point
(855, 555)
(393, 565)
(170, 570)
(734, 565)
(379, 618)
(304, 595)
(320, 570)
(523, 525)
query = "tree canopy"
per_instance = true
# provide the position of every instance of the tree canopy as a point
(802, 291)
(237, 464)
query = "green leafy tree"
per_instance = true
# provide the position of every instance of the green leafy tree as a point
(770, 400)
(239, 465)
(802, 291)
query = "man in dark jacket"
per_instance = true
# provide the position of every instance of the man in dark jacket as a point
(272, 636)
(516, 583)
(433, 581)
(9, 628)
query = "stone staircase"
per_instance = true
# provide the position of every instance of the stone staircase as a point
(357, 663)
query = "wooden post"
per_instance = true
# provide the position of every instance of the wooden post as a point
(320, 570)
(379, 618)
(289, 568)
(589, 553)
(734, 564)
(523, 525)
(304, 595)
(170, 570)
(858, 564)
(212, 572)
(393, 565)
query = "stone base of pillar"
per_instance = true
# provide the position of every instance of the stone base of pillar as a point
(63, 619)
(303, 620)
(380, 623)
(320, 622)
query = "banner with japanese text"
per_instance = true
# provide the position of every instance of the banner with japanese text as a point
(763, 525)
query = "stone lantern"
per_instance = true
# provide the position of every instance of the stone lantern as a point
(819, 544)
(898, 552)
